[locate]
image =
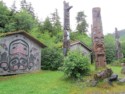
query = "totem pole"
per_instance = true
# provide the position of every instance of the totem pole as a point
(119, 54)
(66, 40)
(98, 39)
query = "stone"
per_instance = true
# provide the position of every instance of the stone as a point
(121, 80)
(94, 83)
(122, 64)
(91, 83)
(113, 77)
(98, 38)
(103, 74)
(123, 70)
(106, 80)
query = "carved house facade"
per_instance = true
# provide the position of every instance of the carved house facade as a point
(19, 53)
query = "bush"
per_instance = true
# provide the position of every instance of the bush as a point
(115, 63)
(122, 60)
(118, 62)
(52, 58)
(76, 65)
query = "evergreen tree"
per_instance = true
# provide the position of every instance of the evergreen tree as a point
(13, 7)
(28, 7)
(24, 21)
(4, 16)
(47, 25)
(56, 23)
(24, 4)
(81, 22)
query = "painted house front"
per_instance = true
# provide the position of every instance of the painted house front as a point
(19, 53)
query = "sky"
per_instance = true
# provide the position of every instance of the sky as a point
(112, 11)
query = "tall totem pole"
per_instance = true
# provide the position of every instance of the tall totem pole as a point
(98, 38)
(66, 40)
(119, 54)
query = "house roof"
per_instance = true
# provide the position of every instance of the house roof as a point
(82, 44)
(25, 34)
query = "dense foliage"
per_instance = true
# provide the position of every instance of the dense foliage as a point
(110, 48)
(52, 59)
(12, 20)
(4, 16)
(123, 47)
(75, 36)
(118, 62)
(24, 21)
(76, 65)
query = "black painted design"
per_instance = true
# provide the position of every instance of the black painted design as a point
(31, 61)
(18, 55)
(4, 46)
(4, 61)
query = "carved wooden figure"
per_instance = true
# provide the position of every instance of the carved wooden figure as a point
(119, 54)
(66, 40)
(98, 38)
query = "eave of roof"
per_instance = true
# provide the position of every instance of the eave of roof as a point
(25, 34)
(83, 44)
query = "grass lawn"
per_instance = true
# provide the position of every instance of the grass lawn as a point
(53, 82)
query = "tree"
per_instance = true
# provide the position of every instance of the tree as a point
(52, 58)
(24, 21)
(81, 22)
(110, 48)
(56, 25)
(4, 16)
(123, 47)
(13, 7)
(47, 25)
(28, 7)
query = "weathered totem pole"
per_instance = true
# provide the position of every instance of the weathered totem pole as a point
(98, 38)
(119, 54)
(66, 40)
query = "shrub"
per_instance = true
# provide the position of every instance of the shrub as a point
(52, 58)
(115, 63)
(118, 62)
(122, 60)
(76, 65)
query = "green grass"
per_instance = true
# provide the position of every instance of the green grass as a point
(44, 82)
(54, 82)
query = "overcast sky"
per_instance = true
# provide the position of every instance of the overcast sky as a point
(112, 11)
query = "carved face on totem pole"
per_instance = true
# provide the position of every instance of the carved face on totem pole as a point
(98, 38)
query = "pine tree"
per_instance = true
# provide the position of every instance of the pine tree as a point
(56, 22)
(47, 25)
(28, 7)
(4, 16)
(13, 7)
(81, 22)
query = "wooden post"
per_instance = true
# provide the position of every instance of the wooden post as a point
(66, 40)
(98, 38)
(119, 54)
